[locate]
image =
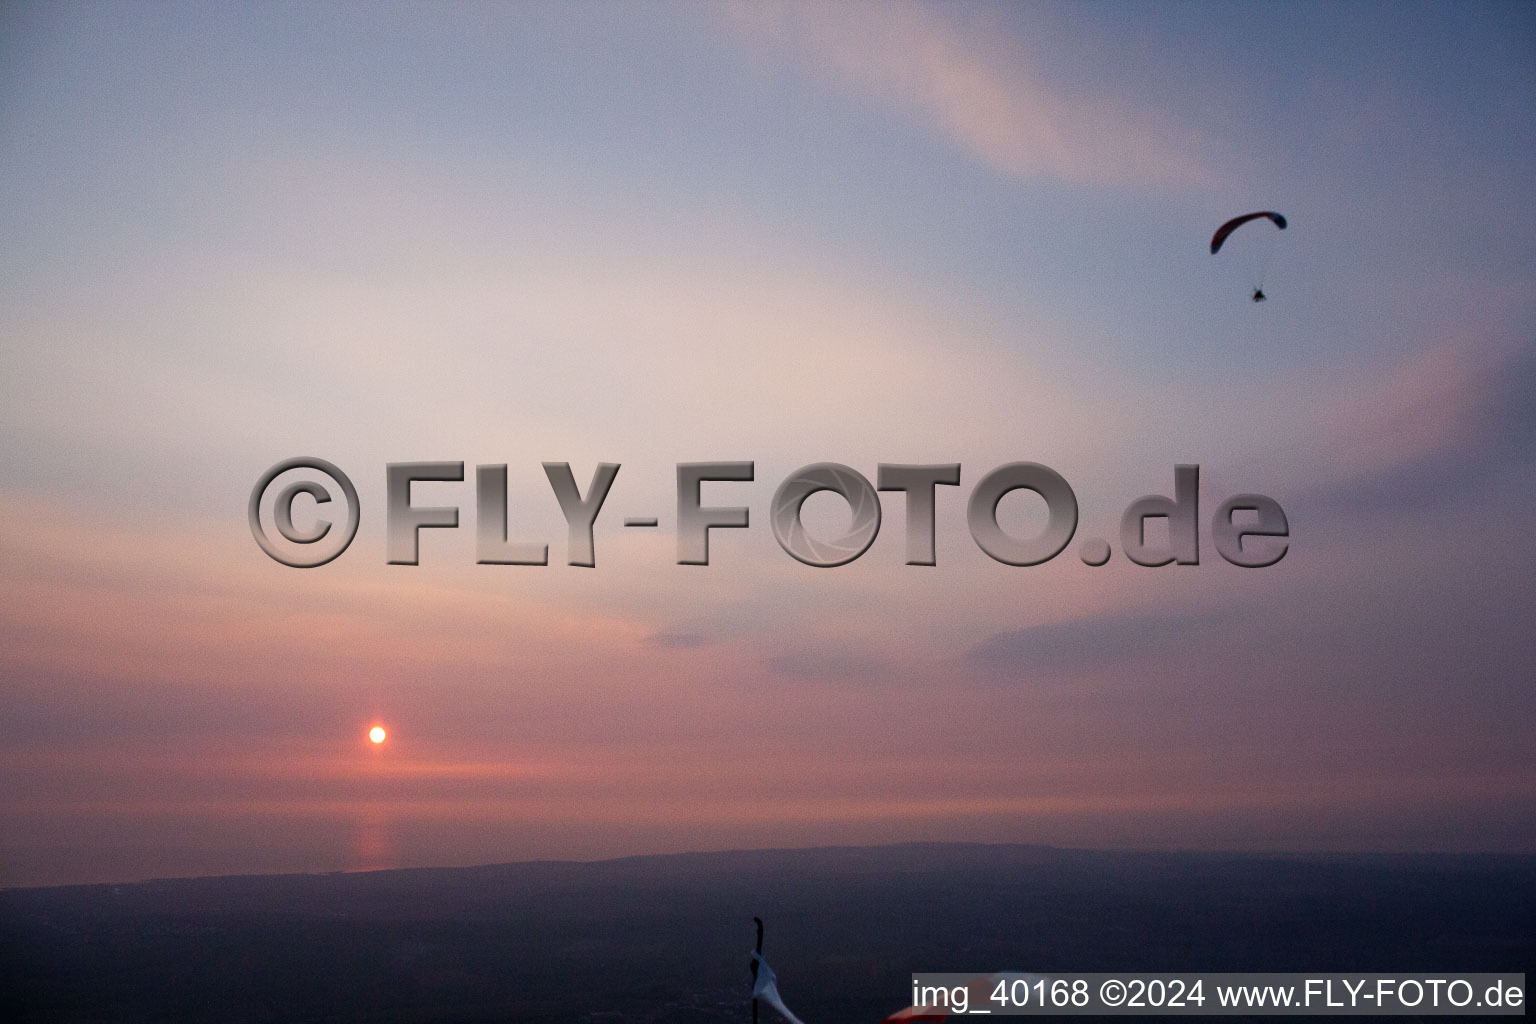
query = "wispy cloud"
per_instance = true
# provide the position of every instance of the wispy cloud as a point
(1080, 644)
(678, 640)
(827, 664)
(978, 85)
(1434, 428)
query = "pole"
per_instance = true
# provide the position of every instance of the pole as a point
(754, 966)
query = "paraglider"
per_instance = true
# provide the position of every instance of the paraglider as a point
(1232, 225)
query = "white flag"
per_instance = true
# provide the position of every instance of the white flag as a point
(768, 992)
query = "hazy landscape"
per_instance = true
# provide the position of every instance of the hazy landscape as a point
(666, 938)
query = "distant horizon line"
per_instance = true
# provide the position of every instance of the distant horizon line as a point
(1187, 852)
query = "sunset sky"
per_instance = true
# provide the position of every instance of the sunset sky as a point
(655, 233)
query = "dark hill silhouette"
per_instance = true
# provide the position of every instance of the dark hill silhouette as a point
(667, 937)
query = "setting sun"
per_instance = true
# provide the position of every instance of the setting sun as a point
(376, 734)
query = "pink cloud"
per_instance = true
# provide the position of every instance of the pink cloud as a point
(967, 78)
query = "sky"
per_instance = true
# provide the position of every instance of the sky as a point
(658, 233)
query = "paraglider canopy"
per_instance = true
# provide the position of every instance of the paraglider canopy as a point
(1237, 222)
